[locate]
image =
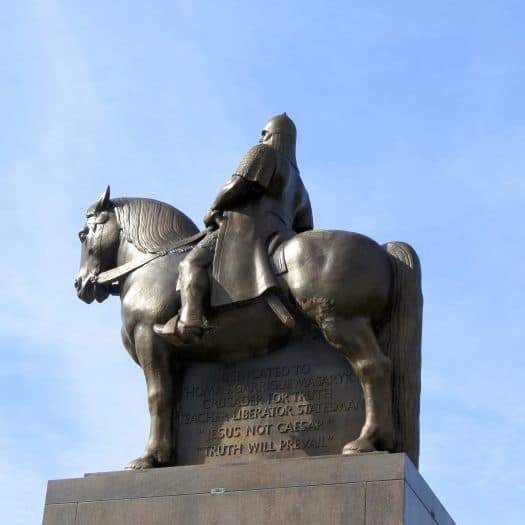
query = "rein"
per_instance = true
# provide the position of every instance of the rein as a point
(118, 272)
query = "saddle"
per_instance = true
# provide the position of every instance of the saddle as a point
(275, 299)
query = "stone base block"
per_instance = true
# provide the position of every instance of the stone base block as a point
(373, 489)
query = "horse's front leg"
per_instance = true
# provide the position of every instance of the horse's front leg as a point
(154, 356)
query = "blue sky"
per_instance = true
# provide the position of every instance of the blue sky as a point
(411, 127)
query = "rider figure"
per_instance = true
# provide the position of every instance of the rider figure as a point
(261, 205)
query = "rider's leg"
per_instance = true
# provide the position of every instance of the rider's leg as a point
(195, 286)
(187, 326)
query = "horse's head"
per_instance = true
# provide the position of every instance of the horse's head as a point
(100, 241)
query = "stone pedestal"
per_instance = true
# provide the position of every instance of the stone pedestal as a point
(373, 489)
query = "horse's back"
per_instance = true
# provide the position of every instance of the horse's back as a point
(348, 269)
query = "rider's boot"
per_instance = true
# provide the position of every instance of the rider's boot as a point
(195, 285)
(188, 324)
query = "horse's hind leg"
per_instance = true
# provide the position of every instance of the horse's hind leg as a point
(356, 340)
(154, 356)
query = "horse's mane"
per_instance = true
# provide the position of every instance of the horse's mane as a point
(151, 226)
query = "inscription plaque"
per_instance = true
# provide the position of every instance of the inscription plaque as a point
(301, 400)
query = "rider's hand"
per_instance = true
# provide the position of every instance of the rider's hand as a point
(212, 218)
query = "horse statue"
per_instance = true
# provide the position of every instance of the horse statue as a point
(363, 298)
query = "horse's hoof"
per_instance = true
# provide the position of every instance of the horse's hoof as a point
(142, 463)
(358, 446)
(147, 461)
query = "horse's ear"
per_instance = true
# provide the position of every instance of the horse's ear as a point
(102, 201)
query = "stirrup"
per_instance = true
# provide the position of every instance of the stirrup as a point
(177, 332)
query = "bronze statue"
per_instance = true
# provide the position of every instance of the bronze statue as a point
(269, 270)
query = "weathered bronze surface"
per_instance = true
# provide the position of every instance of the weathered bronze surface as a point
(362, 298)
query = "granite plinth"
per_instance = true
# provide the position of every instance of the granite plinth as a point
(373, 489)
(300, 400)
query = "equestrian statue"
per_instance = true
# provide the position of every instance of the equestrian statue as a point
(257, 275)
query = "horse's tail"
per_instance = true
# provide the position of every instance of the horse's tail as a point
(400, 339)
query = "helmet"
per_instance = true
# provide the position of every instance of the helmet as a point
(281, 124)
(280, 132)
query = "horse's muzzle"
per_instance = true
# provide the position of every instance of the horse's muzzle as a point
(84, 289)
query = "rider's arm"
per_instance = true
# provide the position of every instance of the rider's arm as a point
(236, 192)
(303, 220)
(251, 178)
